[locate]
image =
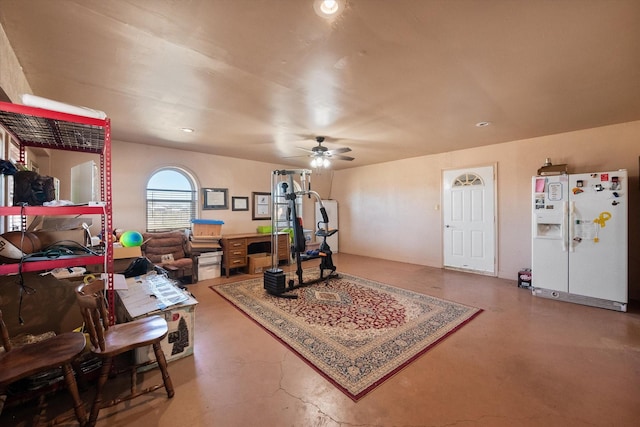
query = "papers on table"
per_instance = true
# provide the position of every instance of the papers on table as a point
(149, 293)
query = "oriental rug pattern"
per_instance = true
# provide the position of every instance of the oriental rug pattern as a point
(355, 332)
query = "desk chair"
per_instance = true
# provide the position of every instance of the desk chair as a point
(42, 356)
(109, 341)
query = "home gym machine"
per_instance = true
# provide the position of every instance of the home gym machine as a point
(284, 210)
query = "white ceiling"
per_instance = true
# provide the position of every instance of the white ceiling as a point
(389, 79)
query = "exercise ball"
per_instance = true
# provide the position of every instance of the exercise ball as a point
(130, 239)
(16, 244)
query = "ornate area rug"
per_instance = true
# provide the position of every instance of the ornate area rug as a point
(355, 332)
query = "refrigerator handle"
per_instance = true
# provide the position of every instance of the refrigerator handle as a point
(564, 226)
(569, 241)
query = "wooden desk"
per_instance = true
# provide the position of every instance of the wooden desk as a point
(236, 247)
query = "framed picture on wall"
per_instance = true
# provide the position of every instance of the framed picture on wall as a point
(214, 198)
(239, 203)
(261, 205)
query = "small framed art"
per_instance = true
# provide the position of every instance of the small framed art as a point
(239, 203)
(261, 205)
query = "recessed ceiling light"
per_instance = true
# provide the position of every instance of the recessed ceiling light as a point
(187, 130)
(482, 124)
(328, 8)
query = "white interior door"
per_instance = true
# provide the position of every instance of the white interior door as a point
(468, 211)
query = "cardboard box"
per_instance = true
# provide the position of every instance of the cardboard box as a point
(135, 303)
(54, 223)
(61, 237)
(259, 262)
(120, 252)
(60, 230)
(206, 227)
(119, 266)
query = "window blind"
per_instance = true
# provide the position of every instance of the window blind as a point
(170, 209)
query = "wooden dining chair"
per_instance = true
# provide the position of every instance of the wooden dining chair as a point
(109, 341)
(42, 356)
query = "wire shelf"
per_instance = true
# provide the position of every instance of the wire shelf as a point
(57, 134)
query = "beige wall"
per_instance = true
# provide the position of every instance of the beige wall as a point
(388, 210)
(391, 210)
(133, 165)
(12, 79)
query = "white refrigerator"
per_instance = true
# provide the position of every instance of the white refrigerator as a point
(579, 244)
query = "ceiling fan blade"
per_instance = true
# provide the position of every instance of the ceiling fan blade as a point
(296, 157)
(320, 151)
(306, 150)
(341, 157)
(339, 150)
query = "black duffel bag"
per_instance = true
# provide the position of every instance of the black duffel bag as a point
(33, 189)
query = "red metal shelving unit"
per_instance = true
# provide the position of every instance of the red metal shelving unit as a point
(37, 127)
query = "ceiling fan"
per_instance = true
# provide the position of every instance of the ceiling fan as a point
(321, 155)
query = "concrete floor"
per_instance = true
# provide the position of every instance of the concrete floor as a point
(524, 361)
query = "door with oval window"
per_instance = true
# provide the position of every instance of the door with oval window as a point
(468, 210)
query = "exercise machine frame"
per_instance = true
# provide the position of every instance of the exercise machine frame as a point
(283, 194)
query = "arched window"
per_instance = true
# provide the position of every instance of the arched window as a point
(172, 200)
(467, 179)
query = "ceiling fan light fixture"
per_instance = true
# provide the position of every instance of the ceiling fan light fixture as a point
(320, 162)
(321, 156)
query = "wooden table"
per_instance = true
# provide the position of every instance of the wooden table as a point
(236, 247)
